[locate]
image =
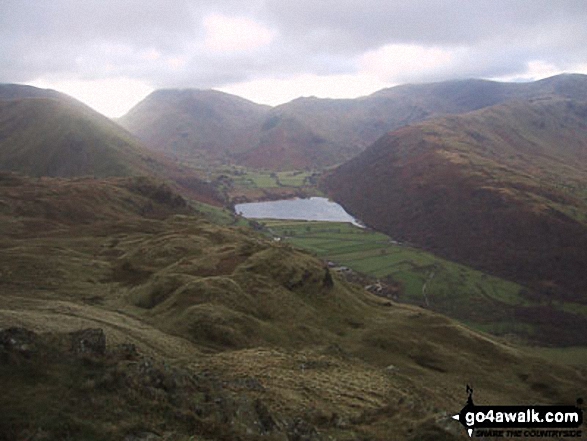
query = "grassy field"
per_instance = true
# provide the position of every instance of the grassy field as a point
(480, 300)
(293, 178)
(254, 179)
(247, 178)
(243, 184)
(217, 215)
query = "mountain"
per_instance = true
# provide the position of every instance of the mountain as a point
(287, 144)
(502, 189)
(195, 123)
(53, 137)
(21, 91)
(46, 133)
(346, 127)
(307, 133)
(125, 314)
(312, 132)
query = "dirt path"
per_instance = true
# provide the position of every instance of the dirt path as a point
(425, 287)
(63, 316)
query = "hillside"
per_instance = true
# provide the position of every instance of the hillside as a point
(46, 133)
(287, 144)
(54, 137)
(138, 318)
(195, 124)
(20, 91)
(347, 127)
(502, 189)
(309, 133)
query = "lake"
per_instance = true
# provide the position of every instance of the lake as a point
(311, 209)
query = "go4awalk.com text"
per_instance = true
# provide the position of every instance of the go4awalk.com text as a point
(521, 421)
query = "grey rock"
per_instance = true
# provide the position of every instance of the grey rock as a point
(88, 341)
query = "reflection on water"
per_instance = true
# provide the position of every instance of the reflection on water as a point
(312, 209)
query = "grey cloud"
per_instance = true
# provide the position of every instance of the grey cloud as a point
(99, 38)
(49, 37)
(498, 37)
(76, 23)
(447, 23)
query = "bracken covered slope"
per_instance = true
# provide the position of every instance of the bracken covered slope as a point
(503, 189)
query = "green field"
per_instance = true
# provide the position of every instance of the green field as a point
(293, 178)
(478, 299)
(245, 178)
(255, 180)
(218, 215)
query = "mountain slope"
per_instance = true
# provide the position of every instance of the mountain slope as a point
(54, 137)
(502, 189)
(195, 123)
(353, 125)
(287, 144)
(20, 91)
(312, 132)
(46, 133)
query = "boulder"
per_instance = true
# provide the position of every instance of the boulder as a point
(88, 341)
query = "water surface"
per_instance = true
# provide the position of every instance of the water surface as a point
(311, 209)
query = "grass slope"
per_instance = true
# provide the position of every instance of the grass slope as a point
(237, 337)
(45, 133)
(54, 137)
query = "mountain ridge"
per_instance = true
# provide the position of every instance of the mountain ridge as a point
(277, 138)
(10, 91)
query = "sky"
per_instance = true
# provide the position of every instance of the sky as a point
(110, 54)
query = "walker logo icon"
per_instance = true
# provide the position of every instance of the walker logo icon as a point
(520, 421)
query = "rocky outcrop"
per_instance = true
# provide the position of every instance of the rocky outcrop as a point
(88, 341)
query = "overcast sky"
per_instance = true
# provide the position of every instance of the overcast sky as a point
(112, 53)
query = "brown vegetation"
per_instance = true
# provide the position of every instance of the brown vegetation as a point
(501, 189)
